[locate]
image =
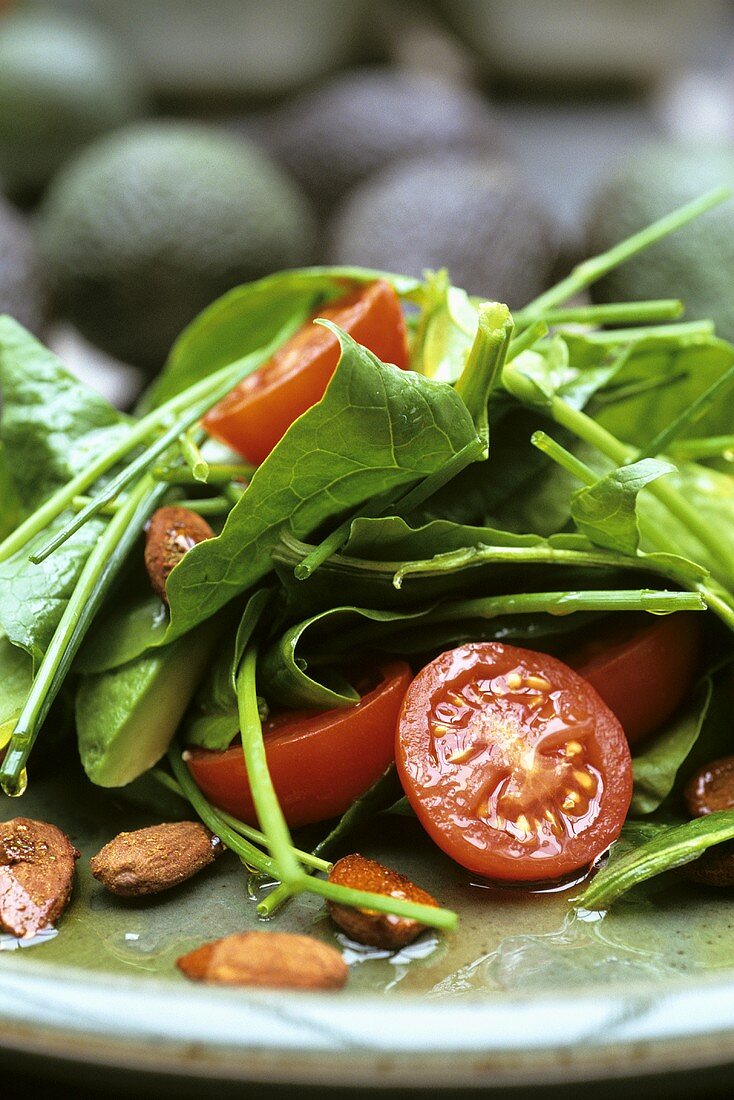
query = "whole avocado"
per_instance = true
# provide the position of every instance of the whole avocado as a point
(694, 264)
(363, 120)
(468, 214)
(21, 283)
(63, 81)
(148, 225)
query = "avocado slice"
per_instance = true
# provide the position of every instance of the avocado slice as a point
(126, 717)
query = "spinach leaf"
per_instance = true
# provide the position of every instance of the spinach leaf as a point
(656, 767)
(128, 628)
(445, 330)
(684, 368)
(606, 512)
(16, 675)
(250, 316)
(663, 848)
(51, 425)
(376, 428)
(11, 510)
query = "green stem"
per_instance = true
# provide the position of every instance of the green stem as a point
(705, 447)
(401, 506)
(99, 571)
(228, 822)
(567, 603)
(211, 817)
(564, 458)
(690, 415)
(431, 916)
(137, 435)
(219, 474)
(137, 468)
(193, 458)
(594, 268)
(277, 898)
(532, 334)
(207, 506)
(663, 309)
(658, 333)
(267, 807)
(485, 361)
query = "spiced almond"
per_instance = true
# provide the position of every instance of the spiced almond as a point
(150, 860)
(36, 875)
(275, 960)
(171, 533)
(366, 925)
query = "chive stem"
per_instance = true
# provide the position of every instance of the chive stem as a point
(662, 309)
(100, 569)
(705, 447)
(219, 474)
(193, 457)
(267, 807)
(532, 334)
(563, 458)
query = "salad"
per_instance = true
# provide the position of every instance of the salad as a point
(371, 545)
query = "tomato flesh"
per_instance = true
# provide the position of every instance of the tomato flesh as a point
(514, 765)
(645, 674)
(258, 412)
(319, 763)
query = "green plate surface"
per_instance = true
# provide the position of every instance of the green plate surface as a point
(521, 992)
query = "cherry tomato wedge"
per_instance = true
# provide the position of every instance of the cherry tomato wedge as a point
(645, 673)
(257, 414)
(514, 765)
(319, 763)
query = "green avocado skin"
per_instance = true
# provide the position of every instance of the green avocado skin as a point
(694, 264)
(63, 81)
(127, 717)
(147, 226)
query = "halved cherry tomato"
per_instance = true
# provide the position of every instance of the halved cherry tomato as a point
(319, 763)
(644, 672)
(514, 765)
(257, 414)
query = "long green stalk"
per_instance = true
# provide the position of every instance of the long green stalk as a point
(138, 434)
(605, 313)
(100, 569)
(267, 807)
(586, 273)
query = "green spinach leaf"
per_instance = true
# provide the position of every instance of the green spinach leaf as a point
(606, 512)
(376, 428)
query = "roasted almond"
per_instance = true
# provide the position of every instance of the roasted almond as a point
(277, 960)
(714, 868)
(711, 788)
(150, 860)
(171, 533)
(366, 925)
(36, 875)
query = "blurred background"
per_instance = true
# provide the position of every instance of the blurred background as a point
(155, 153)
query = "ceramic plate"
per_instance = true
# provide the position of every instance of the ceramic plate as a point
(523, 992)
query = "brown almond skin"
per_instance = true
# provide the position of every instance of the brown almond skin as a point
(171, 533)
(273, 960)
(36, 875)
(711, 788)
(150, 860)
(364, 925)
(714, 868)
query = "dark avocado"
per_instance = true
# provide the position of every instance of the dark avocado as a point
(469, 214)
(21, 283)
(696, 263)
(332, 138)
(149, 224)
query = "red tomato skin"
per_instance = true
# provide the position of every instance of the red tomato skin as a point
(645, 678)
(446, 809)
(258, 412)
(319, 763)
